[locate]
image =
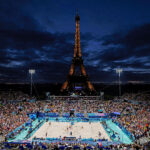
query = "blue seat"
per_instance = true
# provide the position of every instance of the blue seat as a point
(21, 147)
(62, 147)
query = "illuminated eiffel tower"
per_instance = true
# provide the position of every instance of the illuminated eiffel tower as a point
(77, 74)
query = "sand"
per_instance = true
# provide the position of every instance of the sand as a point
(79, 129)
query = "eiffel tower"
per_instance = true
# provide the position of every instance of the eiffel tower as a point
(77, 74)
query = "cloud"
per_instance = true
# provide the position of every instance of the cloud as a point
(129, 50)
(49, 53)
(29, 40)
(134, 44)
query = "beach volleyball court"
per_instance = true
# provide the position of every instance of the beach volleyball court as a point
(82, 130)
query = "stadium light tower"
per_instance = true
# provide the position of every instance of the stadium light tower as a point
(119, 71)
(31, 72)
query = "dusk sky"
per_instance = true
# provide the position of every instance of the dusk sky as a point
(40, 34)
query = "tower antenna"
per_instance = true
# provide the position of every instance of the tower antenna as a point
(77, 11)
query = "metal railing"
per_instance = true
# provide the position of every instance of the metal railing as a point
(75, 97)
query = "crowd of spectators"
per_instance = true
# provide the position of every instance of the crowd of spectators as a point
(13, 95)
(136, 96)
(72, 146)
(135, 117)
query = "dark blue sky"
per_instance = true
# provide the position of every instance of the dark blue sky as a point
(39, 34)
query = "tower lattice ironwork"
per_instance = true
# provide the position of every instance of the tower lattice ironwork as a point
(77, 74)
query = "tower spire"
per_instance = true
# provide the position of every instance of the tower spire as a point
(77, 49)
(77, 13)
